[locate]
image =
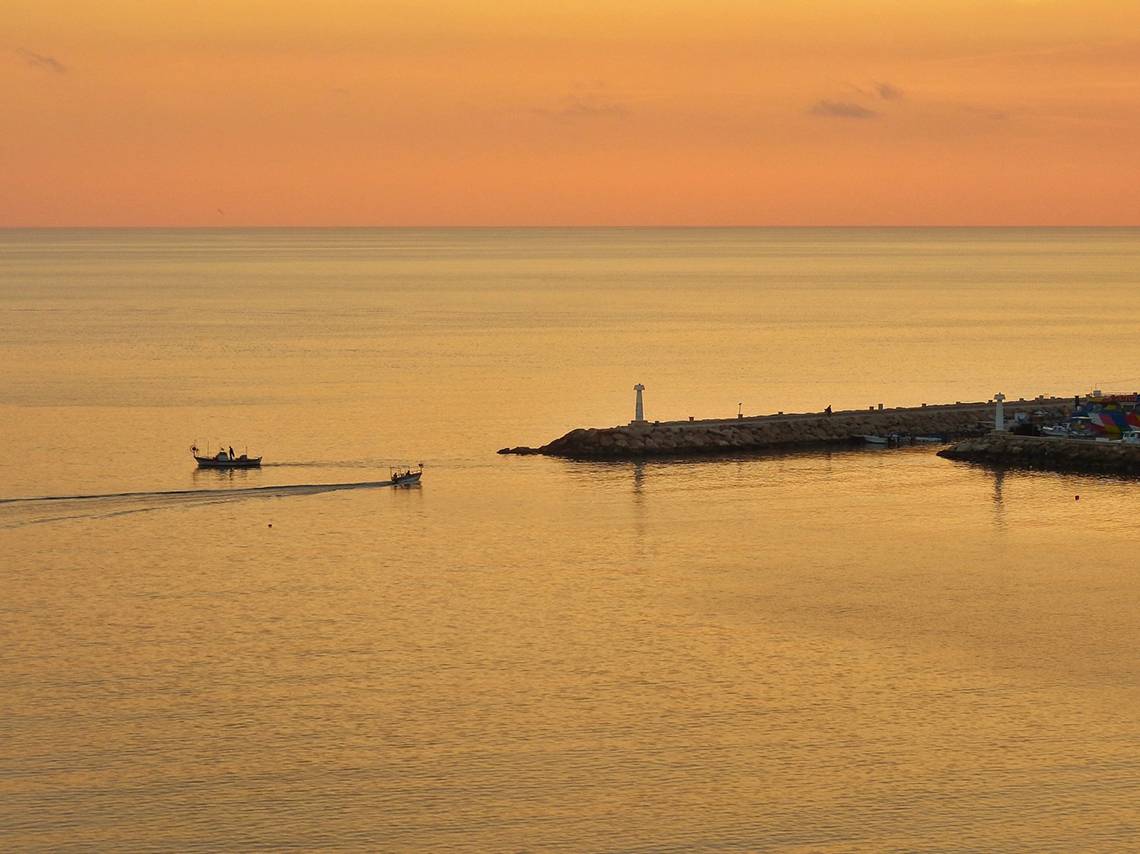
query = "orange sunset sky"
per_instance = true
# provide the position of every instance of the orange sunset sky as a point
(671, 112)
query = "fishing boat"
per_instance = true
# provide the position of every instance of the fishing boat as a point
(407, 477)
(876, 440)
(224, 459)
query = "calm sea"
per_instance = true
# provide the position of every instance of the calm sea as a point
(858, 650)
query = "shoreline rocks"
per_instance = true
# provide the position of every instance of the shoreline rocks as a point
(784, 432)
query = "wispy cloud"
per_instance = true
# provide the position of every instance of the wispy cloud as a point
(841, 110)
(41, 61)
(586, 107)
(888, 91)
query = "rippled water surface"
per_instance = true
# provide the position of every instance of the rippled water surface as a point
(859, 650)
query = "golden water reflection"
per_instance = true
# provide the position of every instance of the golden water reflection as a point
(851, 650)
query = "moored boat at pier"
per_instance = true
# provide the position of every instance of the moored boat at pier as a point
(889, 439)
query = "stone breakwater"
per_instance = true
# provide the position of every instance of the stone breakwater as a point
(783, 432)
(1046, 452)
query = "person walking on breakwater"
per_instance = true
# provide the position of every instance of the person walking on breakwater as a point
(827, 409)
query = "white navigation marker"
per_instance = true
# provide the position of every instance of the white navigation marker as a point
(639, 408)
(999, 412)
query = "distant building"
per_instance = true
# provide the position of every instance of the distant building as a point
(1110, 414)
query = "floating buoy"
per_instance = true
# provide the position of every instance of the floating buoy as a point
(1078, 498)
(270, 524)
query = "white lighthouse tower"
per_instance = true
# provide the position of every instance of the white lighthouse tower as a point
(639, 407)
(999, 412)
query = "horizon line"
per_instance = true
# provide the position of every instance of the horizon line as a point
(471, 227)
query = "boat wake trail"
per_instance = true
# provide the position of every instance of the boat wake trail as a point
(31, 510)
(329, 464)
(236, 492)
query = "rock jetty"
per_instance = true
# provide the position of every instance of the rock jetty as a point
(784, 432)
(1047, 452)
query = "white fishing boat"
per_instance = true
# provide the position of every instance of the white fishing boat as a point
(224, 459)
(876, 440)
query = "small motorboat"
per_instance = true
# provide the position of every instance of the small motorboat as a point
(407, 477)
(224, 459)
(876, 440)
(930, 440)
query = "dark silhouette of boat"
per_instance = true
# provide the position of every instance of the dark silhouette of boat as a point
(407, 477)
(225, 459)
